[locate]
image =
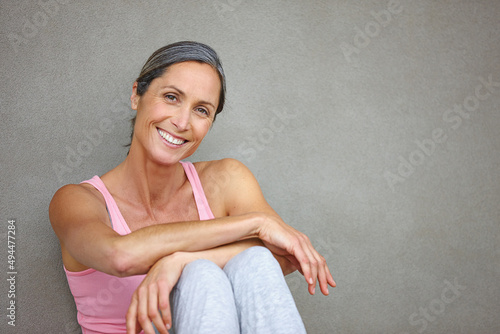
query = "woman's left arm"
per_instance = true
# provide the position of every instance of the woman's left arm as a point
(242, 194)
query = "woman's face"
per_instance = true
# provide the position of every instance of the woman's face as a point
(177, 110)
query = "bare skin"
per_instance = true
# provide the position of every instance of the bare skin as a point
(156, 200)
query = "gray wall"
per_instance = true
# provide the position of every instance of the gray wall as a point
(373, 126)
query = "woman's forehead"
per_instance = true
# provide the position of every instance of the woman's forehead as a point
(191, 76)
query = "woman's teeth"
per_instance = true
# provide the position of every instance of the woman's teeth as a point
(170, 139)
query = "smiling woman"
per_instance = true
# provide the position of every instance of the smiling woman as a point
(176, 112)
(146, 249)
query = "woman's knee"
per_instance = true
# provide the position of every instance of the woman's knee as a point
(201, 265)
(251, 260)
(203, 273)
(203, 300)
(257, 256)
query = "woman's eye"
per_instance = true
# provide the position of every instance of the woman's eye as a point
(171, 97)
(203, 111)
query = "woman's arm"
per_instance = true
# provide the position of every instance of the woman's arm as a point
(276, 235)
(81, 222)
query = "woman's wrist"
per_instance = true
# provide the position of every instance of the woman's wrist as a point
(180, 258)
(258, 221)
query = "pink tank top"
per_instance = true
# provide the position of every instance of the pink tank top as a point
(102, 300)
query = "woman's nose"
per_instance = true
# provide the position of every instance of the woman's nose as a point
(182, 119)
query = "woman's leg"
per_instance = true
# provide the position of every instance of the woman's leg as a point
(263, 300)
(203, 301)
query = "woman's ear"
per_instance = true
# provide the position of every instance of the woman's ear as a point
(134, 98)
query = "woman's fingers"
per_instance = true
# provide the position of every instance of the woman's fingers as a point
(312, 263)
(324, 276)
(142, 312)
(150, 305)
(132, 324)
(154, 314)
(303, 260)
(329, 277)
(164, 306)
(307, 263)
(314, 267)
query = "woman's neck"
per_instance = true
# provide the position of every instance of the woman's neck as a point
(146, 182)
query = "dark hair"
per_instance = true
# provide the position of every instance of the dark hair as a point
(175, 53)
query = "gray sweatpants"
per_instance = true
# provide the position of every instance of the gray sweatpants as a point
(248, 296)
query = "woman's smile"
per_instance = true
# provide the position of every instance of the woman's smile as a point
(170, 139)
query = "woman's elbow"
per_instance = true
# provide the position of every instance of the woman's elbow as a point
(123, 262)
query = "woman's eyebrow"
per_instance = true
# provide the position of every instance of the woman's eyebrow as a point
(173, 87)
(209, 103)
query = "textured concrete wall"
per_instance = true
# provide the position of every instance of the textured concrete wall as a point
(373, 126)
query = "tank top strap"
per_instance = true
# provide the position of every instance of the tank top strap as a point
(117, 221)
(204, 210)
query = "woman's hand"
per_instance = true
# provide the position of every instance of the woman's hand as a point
(150, 302)
(285, 241)
(288, 263)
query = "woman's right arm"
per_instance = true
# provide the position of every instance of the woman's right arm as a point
(80, 221)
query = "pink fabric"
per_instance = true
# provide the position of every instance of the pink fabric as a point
(102, 300)
(204, 210)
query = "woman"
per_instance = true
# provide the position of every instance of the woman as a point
(145, 235)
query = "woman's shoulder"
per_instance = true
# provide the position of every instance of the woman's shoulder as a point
(227, 167)
(231, 186)
(228, 176)
(76, 193)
